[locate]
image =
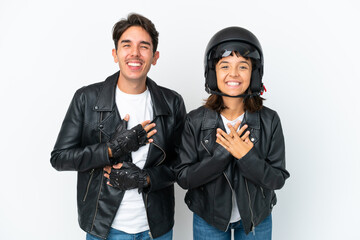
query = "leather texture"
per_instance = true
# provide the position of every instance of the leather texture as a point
(81, 146)
(211, 174)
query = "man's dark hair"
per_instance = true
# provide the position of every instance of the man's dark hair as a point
(134, 19)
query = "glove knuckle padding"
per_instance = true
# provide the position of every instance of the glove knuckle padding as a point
(126, 141)
(129, 176)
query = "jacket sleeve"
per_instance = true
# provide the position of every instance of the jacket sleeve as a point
(161, 176)
(69, 152)
(267, 171)
(192, 170)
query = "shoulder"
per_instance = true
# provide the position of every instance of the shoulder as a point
(94, 89)
(90, 89)
(160, 94)
(197, 113)
(169, 93)
(269, 115)
(202, 117)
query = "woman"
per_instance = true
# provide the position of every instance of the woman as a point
(232, 155)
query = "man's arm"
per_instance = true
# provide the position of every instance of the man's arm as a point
(68, 153)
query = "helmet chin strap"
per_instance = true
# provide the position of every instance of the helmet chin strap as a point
(245, 96)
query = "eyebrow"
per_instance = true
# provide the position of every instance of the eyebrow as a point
(142, 42)
(221, 62)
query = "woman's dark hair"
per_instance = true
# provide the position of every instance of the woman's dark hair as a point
(134, 19)
(251, 104)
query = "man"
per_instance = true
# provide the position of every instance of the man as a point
(120, 135)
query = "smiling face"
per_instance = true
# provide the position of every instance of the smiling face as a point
(233, 74)
(134, 55)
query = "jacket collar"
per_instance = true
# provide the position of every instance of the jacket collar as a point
(211, 119)
(106, 98)
(252, 119)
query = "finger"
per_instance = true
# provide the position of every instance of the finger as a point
(221, 143)
(107, 176)
(148, 127)
(222, 140)
(107, 169)
(224, 134)
(150, 134)
(232, 130)
(237, 125)
(245, 136)
(127, 117)
(144, 123)
(242, 129)
(117, 166)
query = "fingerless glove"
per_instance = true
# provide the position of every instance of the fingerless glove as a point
(129, 176)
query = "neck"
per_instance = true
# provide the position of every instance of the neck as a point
(131, 86)
(235, 107)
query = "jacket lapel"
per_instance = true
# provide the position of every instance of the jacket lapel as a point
(160, 109)
(253, 122)
(106, 98)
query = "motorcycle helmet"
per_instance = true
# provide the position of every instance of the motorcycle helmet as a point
(221, 45)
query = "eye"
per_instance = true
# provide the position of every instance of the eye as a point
(244, 67)
(144, 47)
(224, 67)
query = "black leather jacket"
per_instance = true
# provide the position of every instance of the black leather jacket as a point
(211, 173)
(90, 121)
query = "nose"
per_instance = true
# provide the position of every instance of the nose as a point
(135, 51)
(234, 72)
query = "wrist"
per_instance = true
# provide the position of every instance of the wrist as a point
(110, 152)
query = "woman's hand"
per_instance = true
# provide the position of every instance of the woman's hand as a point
(236, 145)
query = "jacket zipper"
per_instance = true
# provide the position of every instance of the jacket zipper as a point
(88, 185)
(146, 195)
(101, 116)
(102, 179)
(97, 200)
(233, 192)
(162, 160)
(227, 179)
(262, 191)
(205, 147)
(251, 211)
(146, 199)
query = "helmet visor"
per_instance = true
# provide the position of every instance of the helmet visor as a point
(225, 49)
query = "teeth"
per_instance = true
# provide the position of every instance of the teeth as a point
(134, 64)
(233, 83)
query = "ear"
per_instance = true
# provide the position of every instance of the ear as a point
(155, 58)
(115, 56)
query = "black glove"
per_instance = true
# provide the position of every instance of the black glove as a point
(125, 141)
(129, 176)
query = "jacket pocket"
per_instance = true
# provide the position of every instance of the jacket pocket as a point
(88, 184)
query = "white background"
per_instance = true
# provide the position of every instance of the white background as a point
(48, 49)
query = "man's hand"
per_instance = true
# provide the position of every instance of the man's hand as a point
(127, 176)
(236, 145)
(125, 141)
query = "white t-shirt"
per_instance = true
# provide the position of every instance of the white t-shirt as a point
(131, 215)
(235, 215)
